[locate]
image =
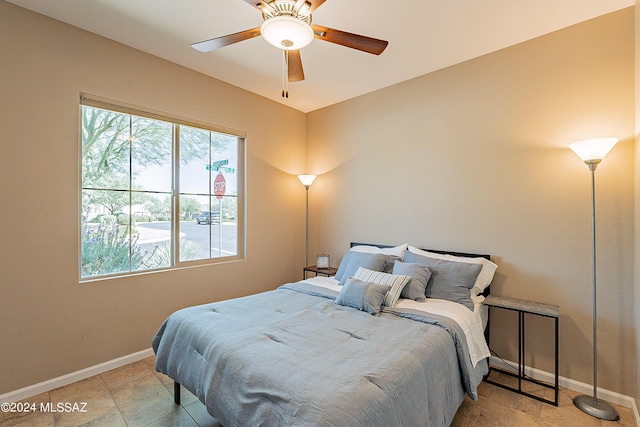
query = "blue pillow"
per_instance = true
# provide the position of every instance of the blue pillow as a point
(364, 296)
(450, 280)
(420, 275)
(354, 260)
(343, 265)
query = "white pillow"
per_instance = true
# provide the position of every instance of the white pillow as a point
(396, 283)
(397, 251)
(484, 278)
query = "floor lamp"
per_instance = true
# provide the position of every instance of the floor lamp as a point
(307, 180)
(592, 151)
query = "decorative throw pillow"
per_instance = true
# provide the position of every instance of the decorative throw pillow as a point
(394, 282)
(450, 280)
(354, 260)
(420, 275)
(364, 296)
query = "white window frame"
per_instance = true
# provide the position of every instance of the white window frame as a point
(87, 100)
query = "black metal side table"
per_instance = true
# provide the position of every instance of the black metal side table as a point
(523, 307)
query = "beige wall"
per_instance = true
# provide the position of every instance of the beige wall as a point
(474, 158)
(50, 324)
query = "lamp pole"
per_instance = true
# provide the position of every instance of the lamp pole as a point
(592, 152)
(306, 235)
(592, 167)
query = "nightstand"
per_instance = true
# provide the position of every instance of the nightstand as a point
(523, 307)
(331, 271)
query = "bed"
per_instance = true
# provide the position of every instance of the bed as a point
(359, 349)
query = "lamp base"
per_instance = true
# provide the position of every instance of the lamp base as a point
(596, 407)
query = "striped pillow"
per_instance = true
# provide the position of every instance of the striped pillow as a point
(395, 281)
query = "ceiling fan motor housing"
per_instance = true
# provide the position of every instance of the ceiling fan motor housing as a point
(285, 27)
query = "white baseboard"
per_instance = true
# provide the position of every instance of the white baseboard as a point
(568, 383)
(35, 389)
(32, 390)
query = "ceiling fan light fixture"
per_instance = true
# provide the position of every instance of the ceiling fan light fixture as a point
(286, 32)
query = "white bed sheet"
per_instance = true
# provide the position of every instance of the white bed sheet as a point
(471, 323)
(325, 282)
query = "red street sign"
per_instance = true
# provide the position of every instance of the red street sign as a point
(219, 186)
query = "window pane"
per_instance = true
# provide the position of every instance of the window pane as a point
(195, 227)
(152, 231)
(216, 228)
(212, 232)
(194, 160)
(229, 241)
(104, 206)
(225, 150)
(151, 143)
(105, 149)
(106, 242)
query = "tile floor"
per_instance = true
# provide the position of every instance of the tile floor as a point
(136, 395)
(498, 407)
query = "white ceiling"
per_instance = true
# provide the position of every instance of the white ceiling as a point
(423, 35)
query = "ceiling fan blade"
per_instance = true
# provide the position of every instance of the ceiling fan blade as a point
(313, 5)
(294, 71)
(354, 41)
(218, 42)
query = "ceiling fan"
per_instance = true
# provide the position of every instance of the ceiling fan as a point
(287, 26)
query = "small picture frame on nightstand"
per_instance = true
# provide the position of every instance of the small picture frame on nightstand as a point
(322, 260)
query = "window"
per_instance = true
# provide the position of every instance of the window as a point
(156, 192)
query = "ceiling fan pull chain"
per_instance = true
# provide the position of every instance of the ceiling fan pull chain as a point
(285, 71)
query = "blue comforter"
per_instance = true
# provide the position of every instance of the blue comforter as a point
(291, 357)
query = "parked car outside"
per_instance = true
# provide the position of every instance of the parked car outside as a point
(208, 217)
